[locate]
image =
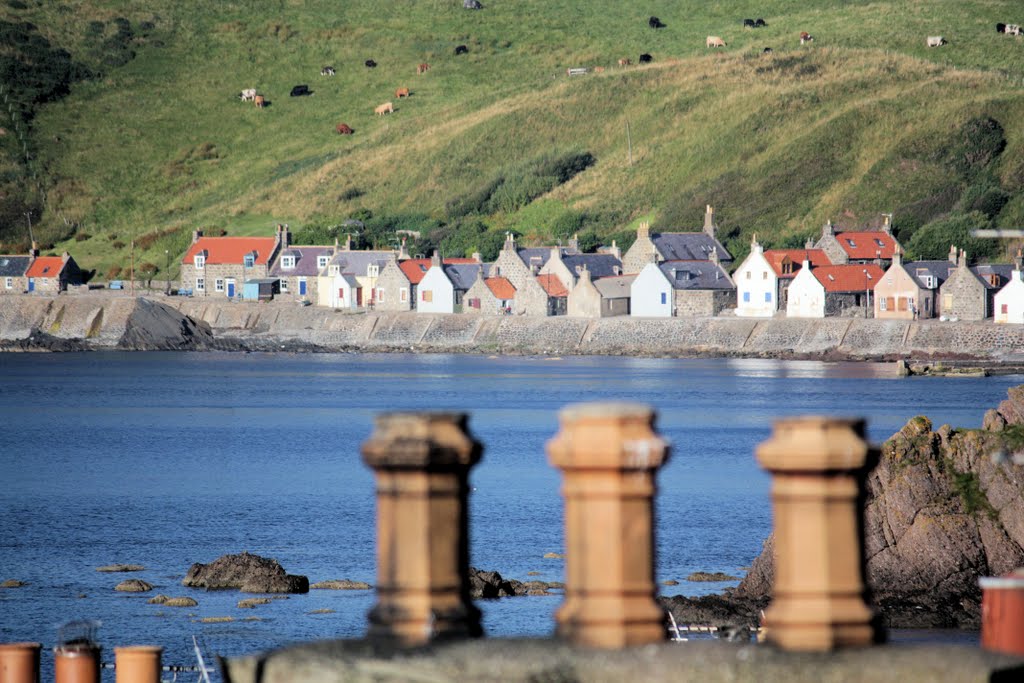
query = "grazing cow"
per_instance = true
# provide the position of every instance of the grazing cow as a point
(645, 58)
(1012, 29)
(248, 94)
(598, 69)
(401, 92)
(259, 101)
(715, 41)
(655, 22)
(423, 68)
(301, 91)
(625, 62)
(805, 37)
(344, 129)
(386, 108)
(471, 4)
(461, 50)
(370, 63)
(936, 41)
(327, 71)
(766, 51)
(749, 23)
(1000, 28)
(760, 23)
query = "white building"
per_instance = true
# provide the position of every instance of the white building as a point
(1009, 301)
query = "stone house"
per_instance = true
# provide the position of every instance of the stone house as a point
(1009, 301)
(902, 295)
(556, 300)
(681, 288)
(963, 295)
(763, 279)
(12, 273)
(489, 296)
(602, 298)
(675, 246)
(567, 268)
(395, 291)
(298, 269)
(831, 290)
(520, 266)
(219, 266)
(858, 246)
(52, 274)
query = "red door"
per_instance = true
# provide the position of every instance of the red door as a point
(359, 296)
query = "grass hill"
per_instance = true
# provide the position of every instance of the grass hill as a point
(125, 123)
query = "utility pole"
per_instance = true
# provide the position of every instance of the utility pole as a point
(167, 272)
(28, 217)
(629, 144)
(133, 267)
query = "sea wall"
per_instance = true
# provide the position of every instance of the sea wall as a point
(102, 320)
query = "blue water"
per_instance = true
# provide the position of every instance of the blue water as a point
(166, 459)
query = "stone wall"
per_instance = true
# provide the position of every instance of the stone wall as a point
(963, 296)
(703, 302)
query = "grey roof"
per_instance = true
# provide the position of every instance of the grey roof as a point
(261, 281)
(616, 287)
(539, 255)
(599, 265)
(357, 262)
(696, 275)
(940, 270)
(462, 275)
(1003, 270)
(689, 246)
(13, 266)
(305, 261)
(350, 279)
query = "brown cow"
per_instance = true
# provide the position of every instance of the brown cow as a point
(805, 37)
(714, 41)
(422, 68)
(625, 62)
(402, 92)
(598, 69)
(344, 129)
(260, 102)
(386, 108)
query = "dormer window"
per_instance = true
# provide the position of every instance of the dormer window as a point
(879, 242)
(373, 270)
(321, 261)
(200, 261)
(335, 269)
(249, 260)
(288, 261)
(851, 242)
(994, 279)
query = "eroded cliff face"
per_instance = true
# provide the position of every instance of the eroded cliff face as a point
(943, 508)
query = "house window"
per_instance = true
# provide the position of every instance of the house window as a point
(372, 270)
(664, 297)
(403, 295)
(787, 268)
(947, 301)
(249, 260)
(284, 285)
(901, 304)
(288, 261)
(767, 297)
(321, 261)
(200, 261)
(200, 284)
(218, 285)
(746, 297)
(748, 274)
(380, 293)
(427, 295)
(764, 275)
(883, 304)
(9, 283)
(334, 270)
(1004, 309)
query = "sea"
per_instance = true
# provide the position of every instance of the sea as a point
(167, 459)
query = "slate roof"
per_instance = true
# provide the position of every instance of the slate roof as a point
(500, 287)
(775, 257)
(688, 246)
(45, 266)
(939, 270)
(416, 268)
(359, 262)
(552, 285)
(849, 277)
(539, 255)
(462, 275)
(220, 250)
(599, 265)
(1004, 271)
(13, 266)
(867, 244)
(305, 261)
(616, 287)
(697, 274)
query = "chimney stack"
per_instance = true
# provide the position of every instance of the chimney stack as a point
(435, 260)
(644, 230)
(196, 234)
(709, 220)
(828, 231)
(953, 258)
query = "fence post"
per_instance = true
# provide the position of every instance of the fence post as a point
(19, 662)
(818, 467)
(608, 454)
(421, 463)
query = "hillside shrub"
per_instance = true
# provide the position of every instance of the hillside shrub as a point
(978, 142)
(118, 245)
(82, 236)
(933, 240)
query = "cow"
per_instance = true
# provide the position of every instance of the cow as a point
(248, 94)
(645, 58)
(259, 101)
(625, 62)
(936, 41)
(327, 71)
(766, 51)
(655, 22)
(423, 68)
(715, 41)
(1000, 28)
(760, 23)
(386, 108)
(471, 4)
(344, 129)
(401, 92)
(301, 91)
(805, 37)
(749, 23)
(598, 69)
(461, 50)
(1013, 29)
(370, 63)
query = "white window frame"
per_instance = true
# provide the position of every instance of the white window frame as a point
(288, 261)
(334, 270)
(199, 261)
(284, 285)
(249, 261)
(9, 283)
(881, 303)
(200, 284)
(218, 285)
(322, 261)
(372, 270)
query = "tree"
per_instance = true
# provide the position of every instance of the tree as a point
(933, 240)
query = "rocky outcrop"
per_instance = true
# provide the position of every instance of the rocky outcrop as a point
(341, 585)
(153, 326)
(484, 584)
(133, 586)
(121, 568)
(247, 573)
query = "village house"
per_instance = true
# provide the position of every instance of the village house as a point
(556, 300)
(352, 276)
(219, 266)
(298, 267)
(902, 294)
(681, 288)
(12, 273)
(858, 246)
(832, 290)
(763, 279)
(567, 267)
(444, 285)
(520, 266)
(398, 282)
(1009, 301)
(489, 295)
(52, 274)
(602, 298)
(675, 246)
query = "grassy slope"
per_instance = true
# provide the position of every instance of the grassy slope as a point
(850, 126)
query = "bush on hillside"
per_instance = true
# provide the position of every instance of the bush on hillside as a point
(975, 146)
(933, 240)
(985, 196)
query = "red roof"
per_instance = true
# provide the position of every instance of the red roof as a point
(232, 249)
(500, 287)
(45, 266)
(775, 257)
(416, 268)
(868, 244)
(552, 285)
(848, 278)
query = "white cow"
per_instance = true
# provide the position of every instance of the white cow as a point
(936, 41)
(249, 94)
(1012, 29)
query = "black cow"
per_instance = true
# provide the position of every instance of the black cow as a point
(749, 23)
(300, 90)
(370, 63)
(760, 23)
(461, 50)
(646, 58)
(1000, 28)
(655, 22)
(766, 51)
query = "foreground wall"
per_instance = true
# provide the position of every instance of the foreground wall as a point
(101, 321)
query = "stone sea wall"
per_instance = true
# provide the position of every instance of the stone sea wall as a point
(116, 320)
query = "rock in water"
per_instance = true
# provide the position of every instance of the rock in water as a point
(133, 586)
(248, 573)
(342, 585)
(153, 326)
(490, 585)
(120, 568)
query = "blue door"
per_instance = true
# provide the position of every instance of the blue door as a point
(31, 284)
(302, 287)
(231, 289)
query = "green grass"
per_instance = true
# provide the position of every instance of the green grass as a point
(846, 128)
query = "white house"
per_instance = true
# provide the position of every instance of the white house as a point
(1009, 301)
(650, 296)
(806, 295)
(764, 277)
(341, 290)
(681, 288)
(435, 293)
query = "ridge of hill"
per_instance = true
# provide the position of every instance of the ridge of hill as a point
(142, 136)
